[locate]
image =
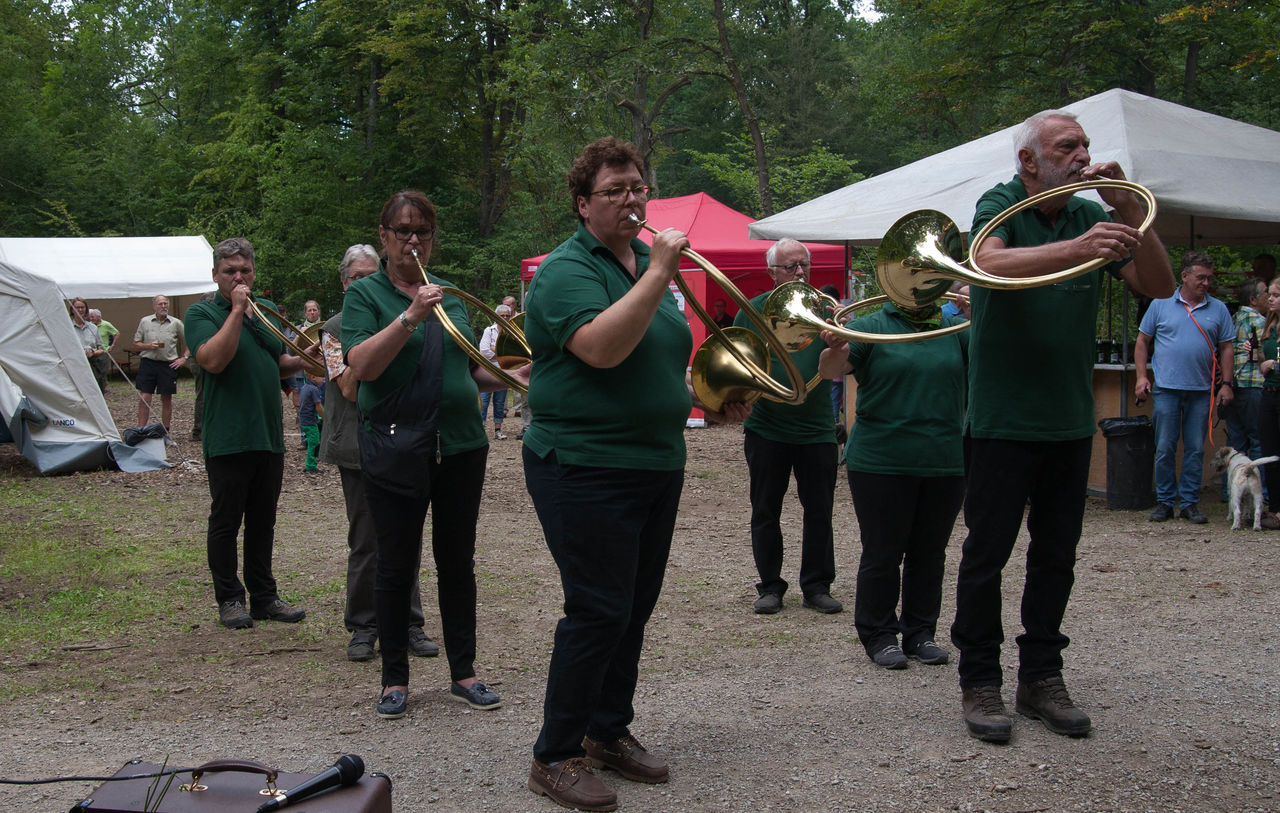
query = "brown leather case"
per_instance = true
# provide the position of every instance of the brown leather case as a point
(229, 786)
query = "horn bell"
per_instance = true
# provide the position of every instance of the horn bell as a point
(919, 257)
(718, 378)
(796, 312)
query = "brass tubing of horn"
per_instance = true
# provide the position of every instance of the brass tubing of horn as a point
(795, 393)
(464, 344)
(312, 364)
(986, 280)
(850, 335)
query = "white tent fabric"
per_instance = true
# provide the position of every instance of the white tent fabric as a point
(116, 267)
(1215, 179)
(49, 401)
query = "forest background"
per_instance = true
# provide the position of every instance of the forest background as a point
(291, 121)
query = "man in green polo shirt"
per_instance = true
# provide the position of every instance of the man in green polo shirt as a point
(243, 441)
(1030, 417)
(779, 439)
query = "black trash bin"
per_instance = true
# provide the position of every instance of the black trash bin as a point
(1131, 457)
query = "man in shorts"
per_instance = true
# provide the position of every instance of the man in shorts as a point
(158, 340)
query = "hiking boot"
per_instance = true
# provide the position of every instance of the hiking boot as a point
(628, 757)
(572, 784)
(1162, 513)
(232, 615)
(890, 657)
(361, 647)
(1192, 512)
(985, 715)
(768, 604)
(279, 610)
(1048, 701)
(823, 603)
(928, 652)
(421, 645)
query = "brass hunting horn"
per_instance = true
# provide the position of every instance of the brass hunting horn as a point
(310, 363)
(517, 349)
(734, 367)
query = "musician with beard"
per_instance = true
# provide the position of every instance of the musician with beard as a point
(1030, 414)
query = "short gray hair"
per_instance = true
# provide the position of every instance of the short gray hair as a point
(359, 251)
(772, 253)
(1250, 288)
(232, 247)
(1027, 136)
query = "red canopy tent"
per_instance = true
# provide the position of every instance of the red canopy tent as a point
(719, 233)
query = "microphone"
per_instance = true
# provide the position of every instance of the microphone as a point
(346, 771)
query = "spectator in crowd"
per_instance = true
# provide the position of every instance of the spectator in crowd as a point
(1241, 414)
(519, 403)
(310, 417)
(719, 315)
(161, 344)
(1264, 267)
(488, 339)
(91, 341)
(1191, 335)
(107, 330)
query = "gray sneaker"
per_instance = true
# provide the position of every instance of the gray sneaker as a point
(890, 657)
(233, 615)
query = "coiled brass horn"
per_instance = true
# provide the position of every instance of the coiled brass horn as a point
(520, 355)
(310, 363)
(920, 254)
(751, 379)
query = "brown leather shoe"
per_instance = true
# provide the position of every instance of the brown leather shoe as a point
(628, 757)
(1047, 701)
(1270, 521)
(572, 784)
(985, 715)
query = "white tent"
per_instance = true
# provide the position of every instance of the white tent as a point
(50, 405)
(116, 267)
(1215, 179)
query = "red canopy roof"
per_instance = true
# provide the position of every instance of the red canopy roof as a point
(717, 233)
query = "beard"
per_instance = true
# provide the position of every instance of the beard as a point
(1052, 176)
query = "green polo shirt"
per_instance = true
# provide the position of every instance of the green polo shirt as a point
(911, 400)
(631, 416)
(242, 403)
(810, 422)
(1031, 352)
(371, 304)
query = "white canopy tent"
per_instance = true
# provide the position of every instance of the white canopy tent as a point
(50, 405)
(117, 267)
(1215, 179)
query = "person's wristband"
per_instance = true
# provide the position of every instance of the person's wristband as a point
(404, 320)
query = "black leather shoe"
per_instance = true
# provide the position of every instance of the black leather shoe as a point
(1162, 513)
(890, 657)
(927, 651)
(421, 645)
(393, 705)
(823, 603)
(768, 604)
(361, 647)
(1192, 512)
(985, 715)
(278, 610)
(1047, 701)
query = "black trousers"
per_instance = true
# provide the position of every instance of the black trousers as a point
(456, 484)
(905, 523)
(244, 488)
(1003, 476)
(1269, 437)
(770, 464)
(609, 531)
(361, 614)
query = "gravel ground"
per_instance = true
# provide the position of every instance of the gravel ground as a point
(1173, 655)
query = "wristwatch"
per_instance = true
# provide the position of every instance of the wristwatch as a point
(404, 320)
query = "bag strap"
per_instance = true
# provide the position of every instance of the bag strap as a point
(1213, 377)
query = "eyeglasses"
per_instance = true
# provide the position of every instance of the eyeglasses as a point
(618, 194)
(403, 235)
(791, 268)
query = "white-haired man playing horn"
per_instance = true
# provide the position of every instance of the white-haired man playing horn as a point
(1030, 415)
(779, 439)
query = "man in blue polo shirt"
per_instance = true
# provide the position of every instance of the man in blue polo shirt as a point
(1193, 335)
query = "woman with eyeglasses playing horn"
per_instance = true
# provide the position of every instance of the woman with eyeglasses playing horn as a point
(604, 463)
(421, 445)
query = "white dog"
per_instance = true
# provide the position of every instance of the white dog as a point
(1242, 478)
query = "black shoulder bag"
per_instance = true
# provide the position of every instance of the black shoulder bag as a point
(398, 437)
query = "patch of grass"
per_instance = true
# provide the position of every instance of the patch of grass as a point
(77, 565)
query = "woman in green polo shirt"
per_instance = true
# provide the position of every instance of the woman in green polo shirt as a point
(421, 445)
(906, 475)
